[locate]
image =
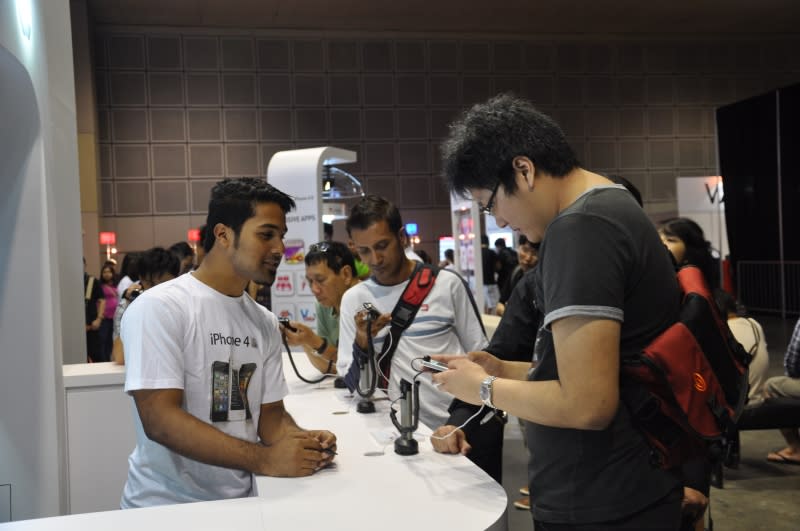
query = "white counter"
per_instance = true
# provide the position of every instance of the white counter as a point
(100, 435)
(93, 375)
(386, 492)
(389, 491)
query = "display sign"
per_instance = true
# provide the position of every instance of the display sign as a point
(702, 199)
(298, 173)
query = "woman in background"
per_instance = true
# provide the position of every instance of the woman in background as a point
(129, 273)
(155, 266)
(108, 281)
(686, 242)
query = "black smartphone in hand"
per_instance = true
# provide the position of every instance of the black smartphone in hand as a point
(284, 321)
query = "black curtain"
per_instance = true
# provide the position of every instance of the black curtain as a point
(749, 135)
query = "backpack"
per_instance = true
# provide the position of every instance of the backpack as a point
(686, 389)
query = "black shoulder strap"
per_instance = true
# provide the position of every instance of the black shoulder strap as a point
(89, 288)
(471, 298)
(756, 337)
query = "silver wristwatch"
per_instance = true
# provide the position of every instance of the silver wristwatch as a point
(486, 391)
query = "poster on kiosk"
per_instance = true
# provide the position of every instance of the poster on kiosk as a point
(702, 199)
(299, 173)
(466, 226)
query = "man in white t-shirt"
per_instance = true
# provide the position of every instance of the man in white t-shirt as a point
(446, 321)
(204, 366)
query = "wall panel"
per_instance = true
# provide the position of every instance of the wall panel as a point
(192, 107)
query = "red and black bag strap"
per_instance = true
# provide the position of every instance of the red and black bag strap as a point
(419, 286)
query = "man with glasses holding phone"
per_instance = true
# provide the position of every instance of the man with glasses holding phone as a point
(606, 289)
(330, 272)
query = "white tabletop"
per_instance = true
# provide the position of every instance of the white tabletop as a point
(386, 492)
(93, 374)
(431, 490)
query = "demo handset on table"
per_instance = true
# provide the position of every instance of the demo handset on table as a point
(284, 321)
(434, 365)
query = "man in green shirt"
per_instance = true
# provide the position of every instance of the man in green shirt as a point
(330, 271)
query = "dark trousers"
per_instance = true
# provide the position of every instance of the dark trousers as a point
(106, 334)
(487, 448)
(663, 515)
(93, 345)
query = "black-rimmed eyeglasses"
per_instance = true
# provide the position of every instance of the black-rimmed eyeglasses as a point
(490, 204)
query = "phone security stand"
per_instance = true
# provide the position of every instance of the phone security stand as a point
(365, 405)
(368, 367)
(409, 419)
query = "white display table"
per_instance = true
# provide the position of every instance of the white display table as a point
(389, 491)
(364, 491)
(100, 435)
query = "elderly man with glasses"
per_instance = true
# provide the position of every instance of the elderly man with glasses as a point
(330, 271)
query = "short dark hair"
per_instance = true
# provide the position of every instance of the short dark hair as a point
(203, 233)
(619, 179)
(181, 250)
(483, 143)
(449, 254)
(523, 241)
(130, 266)
(233, 202)
(373, 209)
(158, 261)
(335, 255)
(500, 242)
(726, 303)
(426, 258)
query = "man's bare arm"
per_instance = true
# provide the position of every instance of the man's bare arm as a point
(167, 423)
(585, 396)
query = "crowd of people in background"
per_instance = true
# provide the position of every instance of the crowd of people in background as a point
(107, 297)
(588, 288)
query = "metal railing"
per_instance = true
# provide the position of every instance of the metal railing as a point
(769, 286)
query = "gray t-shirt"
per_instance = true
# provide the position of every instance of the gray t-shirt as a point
(600, 257)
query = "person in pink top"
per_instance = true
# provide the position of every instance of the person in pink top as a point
(108, 281)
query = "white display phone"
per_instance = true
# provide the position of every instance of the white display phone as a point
(437, 366)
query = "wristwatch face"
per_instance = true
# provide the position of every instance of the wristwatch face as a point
(486, 392)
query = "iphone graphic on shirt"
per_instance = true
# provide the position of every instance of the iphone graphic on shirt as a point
(240, 409)
(220, 391)
(229, 401)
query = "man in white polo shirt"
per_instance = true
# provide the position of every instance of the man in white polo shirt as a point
(447, 321)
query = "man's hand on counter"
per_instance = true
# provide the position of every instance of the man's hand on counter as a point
(299, 453)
